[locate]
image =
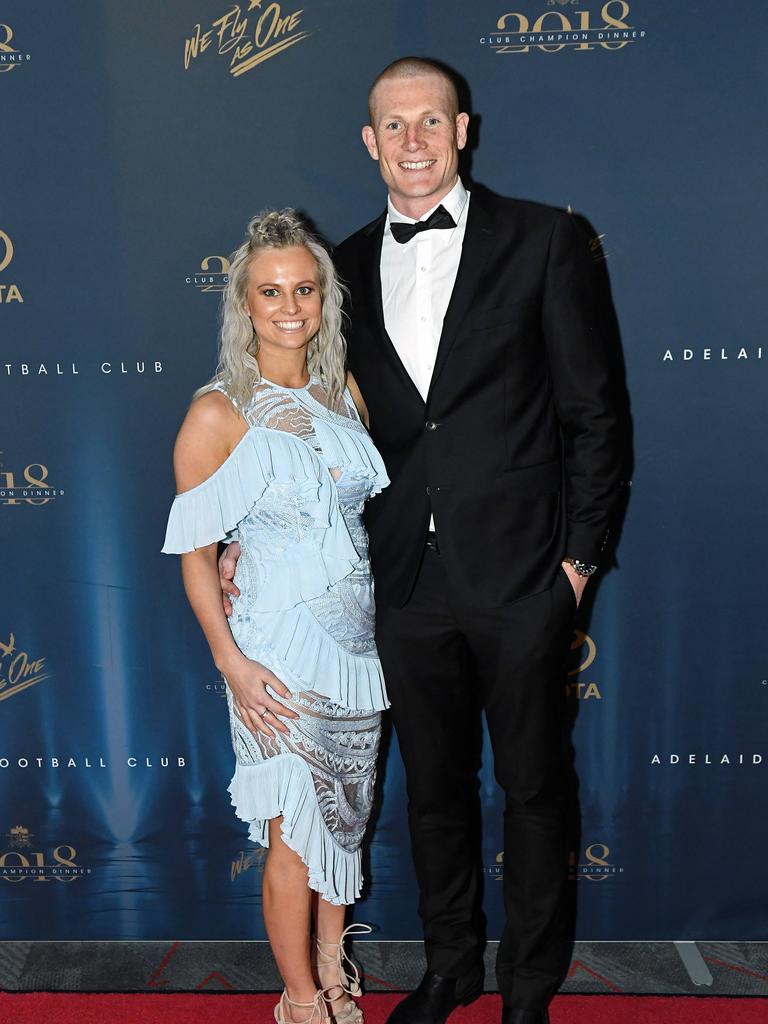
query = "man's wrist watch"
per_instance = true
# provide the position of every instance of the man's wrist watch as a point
(582, 568)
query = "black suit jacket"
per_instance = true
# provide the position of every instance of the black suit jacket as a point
(516, 451)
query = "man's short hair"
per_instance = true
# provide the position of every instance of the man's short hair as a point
(413, 67)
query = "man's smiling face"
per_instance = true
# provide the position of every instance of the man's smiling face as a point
(416, 134)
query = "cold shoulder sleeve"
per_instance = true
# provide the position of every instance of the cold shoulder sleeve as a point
(208, 512)
(309, 549)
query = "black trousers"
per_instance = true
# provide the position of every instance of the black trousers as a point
(443, 663)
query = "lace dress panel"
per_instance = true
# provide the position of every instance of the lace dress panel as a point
(292, 410)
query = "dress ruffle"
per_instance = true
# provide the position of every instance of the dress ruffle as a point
(206, 513)
(305, 657)
(350, 449)
(282, 785)
(274, 459)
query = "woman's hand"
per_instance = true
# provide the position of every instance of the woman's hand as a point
(257, 709)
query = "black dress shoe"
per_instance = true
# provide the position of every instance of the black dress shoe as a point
(436, 998)
(510, 1015)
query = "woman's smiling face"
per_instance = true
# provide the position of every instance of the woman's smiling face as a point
(283, 298)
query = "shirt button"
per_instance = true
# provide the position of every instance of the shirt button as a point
(423, 319)
(423, 270)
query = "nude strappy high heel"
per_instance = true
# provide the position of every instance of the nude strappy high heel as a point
(334, 953)
(319, 1014)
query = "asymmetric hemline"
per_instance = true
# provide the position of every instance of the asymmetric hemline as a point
(283, 786)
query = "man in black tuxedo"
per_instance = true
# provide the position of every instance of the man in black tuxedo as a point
(476, 345)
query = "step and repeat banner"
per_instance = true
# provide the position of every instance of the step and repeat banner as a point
(137, 140)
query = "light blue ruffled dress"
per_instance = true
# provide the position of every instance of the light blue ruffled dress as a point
(292, 492)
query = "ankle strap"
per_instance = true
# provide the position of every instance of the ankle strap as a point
(352, 929)
(350, 981)
(317, 1006)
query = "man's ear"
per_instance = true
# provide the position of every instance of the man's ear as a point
(462, 121)
(369, 138)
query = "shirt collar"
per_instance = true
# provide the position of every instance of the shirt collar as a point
(454, 203)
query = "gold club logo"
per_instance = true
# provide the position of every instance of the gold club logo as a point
(553, 30)
(35, 490)
(19, 837)
(596, 867)
(6, 250)
(246, 38)
(18, 669)
(587, 648)
(583, 654)
(60, 864)
(496, 870)
(10, 57)
(8, 292)
(213, 275)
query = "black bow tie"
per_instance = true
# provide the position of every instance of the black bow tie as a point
(439, 219)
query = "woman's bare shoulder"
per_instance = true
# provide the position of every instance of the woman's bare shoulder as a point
(211, 429)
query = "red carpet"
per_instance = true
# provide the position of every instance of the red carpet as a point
(73, 1008)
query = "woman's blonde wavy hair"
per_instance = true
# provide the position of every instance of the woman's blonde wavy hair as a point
(238, 368)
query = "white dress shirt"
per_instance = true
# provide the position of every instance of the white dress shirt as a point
(417, 279)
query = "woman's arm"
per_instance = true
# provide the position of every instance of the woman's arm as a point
(199, 572)
(208, 434)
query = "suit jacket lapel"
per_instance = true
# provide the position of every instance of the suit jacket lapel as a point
(372, 278)
(475, 252)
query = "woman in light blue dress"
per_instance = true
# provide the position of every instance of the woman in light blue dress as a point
(273, 453)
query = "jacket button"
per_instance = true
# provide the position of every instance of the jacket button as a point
(431, 425)
(428, 490)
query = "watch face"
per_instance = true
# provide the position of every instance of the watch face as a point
(583, 568)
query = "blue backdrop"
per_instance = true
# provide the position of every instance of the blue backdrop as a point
(137, 140)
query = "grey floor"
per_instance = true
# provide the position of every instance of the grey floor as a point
(662, 968)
